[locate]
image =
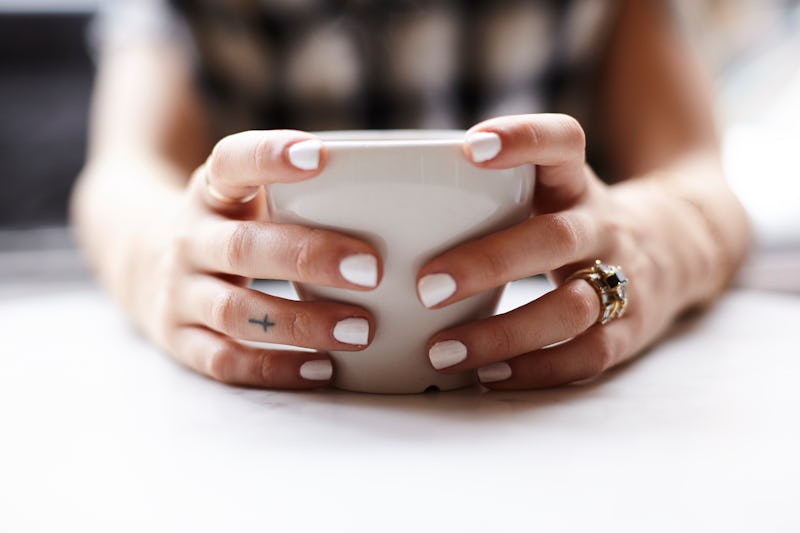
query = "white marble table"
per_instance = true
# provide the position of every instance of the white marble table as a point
(100, 432)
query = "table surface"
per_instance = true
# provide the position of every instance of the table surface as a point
(101, 432)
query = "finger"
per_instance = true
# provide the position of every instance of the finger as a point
(558, 315)
(282, 251)
(555, 143)
(585, 357)
(223, 359)
(252, 315)
(240, 163)
(539, 244)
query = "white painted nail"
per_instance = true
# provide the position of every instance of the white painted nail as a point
(316, 370)
(352, 331)
(484, 145)
(494, 372)
(447, 353)
(436, 288)
(361, 269)
(305, 154)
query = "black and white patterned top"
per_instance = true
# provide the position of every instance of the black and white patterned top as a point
(355, 64)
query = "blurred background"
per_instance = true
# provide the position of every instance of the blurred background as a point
(45, 79)
(752, 48)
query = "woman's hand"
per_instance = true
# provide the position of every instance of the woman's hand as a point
(653, 236)
(220, 237)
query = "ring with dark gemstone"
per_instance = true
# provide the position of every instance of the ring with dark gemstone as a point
(609, 282)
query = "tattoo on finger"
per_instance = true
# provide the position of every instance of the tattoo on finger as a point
(265, 323)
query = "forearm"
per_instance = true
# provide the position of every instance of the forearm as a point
(147, 133)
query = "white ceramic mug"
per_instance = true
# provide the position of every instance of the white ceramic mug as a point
(412, 195)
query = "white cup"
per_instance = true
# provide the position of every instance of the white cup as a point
(412, 195)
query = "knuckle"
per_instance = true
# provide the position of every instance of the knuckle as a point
(572, 131)
(299, 328)
(166, 336)
(494, 265)
(602, 355)
(565, 234)
(238, 245)
(179, 249)
(165, 311)
(262, 153)
(161, 324)
(580, 308)
(165, 303)
(547, 372)
(171, 266)
(217, 160)
(614, 226)
(501, 340)
(267, 151)
(222, 364)
(268, 369)
(533, 133)
(305, 254)
(223, 310)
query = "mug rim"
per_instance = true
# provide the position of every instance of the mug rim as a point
(390, 138)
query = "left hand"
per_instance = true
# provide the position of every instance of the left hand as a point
(577, 219)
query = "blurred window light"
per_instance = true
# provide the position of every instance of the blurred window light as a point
(49, 6)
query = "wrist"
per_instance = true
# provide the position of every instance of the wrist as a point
(706, 226)
(121, 213)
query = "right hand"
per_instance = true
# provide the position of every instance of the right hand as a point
(202, 304)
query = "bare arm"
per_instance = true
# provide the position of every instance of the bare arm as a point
(146, 135)
(670, 220)
(658, 124)
(178, 259)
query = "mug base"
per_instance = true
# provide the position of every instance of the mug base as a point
(411, 385)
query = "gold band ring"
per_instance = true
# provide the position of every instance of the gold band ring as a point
(610, 284)
(225, 199)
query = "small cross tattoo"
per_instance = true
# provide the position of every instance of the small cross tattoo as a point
(263, 323)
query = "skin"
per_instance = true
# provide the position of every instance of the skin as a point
(179, 261)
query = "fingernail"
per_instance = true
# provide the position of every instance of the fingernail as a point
(436, 288)
(447, 353)
(361, 269)
(305, 154)
(352, 331)
(494, 372)
(316, 370)
(484, 145)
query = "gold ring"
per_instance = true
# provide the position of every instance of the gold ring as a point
(610, 284)
(225, 199)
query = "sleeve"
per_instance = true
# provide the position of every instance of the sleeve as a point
(122, 22)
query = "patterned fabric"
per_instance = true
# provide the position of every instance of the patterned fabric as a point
(354, 64)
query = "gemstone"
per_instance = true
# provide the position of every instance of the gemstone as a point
(621, 292)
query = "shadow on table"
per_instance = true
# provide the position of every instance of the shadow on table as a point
(440, 415)
(443, 415)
